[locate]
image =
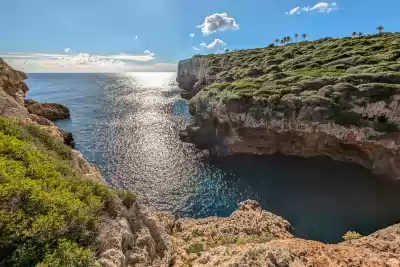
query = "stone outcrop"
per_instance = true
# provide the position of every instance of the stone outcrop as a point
(291, 100)
(192, 75)
(50, 111)
(252, 237)
(137, 236)
(12, 82)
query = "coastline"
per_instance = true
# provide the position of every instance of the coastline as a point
(139, 236)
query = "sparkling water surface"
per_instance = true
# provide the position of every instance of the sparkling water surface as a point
(128, 124)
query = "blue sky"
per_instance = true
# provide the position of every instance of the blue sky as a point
(132, 35)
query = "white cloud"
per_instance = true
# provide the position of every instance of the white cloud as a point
(195, 48)
(203, 44)
(218, 22)
(215, 43)
(136, 37)
(191, 35)
(293, 11)
(147, 52)
(83, 62)
(323, 7)
(66, 50)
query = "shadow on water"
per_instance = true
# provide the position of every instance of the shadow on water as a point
(321, 198)
(128, 126)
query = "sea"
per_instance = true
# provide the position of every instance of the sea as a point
(128, 125)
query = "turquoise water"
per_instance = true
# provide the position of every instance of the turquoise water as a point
(128, 126)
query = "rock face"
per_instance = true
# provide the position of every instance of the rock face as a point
(136, 237)
(12, 82)
(192, 75)
(12, 91)
(50, 111)
(305, 99)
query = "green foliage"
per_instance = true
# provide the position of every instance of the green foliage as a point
(351, 235)
(330, 74)
(48, 212)
(196, 247)
(128, 198)
(68, 254)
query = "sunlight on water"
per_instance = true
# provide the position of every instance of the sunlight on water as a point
(128, 125)
(149, 80)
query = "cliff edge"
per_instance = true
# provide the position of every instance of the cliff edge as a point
(331, 97)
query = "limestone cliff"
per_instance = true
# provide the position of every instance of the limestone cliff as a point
(333, 97)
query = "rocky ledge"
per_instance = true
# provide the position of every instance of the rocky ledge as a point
(331, 97)
(50, 111)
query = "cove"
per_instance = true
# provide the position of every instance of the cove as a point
(321, 198)
(128, 125)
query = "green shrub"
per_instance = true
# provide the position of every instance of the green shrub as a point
(46, 206)
(68, 254)
(351, 235)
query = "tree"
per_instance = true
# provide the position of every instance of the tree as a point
(289, 39)
(304, 35)
(354, 34)
(296, 36)
(379, 29)
(226, 50)
(277, 41)
(282, 41)
(360, 34)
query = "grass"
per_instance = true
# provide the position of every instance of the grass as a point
(49, 214)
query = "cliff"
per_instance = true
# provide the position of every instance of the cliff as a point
(51, 214)
(330, 97)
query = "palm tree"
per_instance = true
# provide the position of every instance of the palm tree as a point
(282, 41)
(289, 39)
(296, 36)
(379, 29)
(304, 35)
(277, 41)
(360, 34)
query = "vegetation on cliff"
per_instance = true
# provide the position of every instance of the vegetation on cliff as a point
(351, 81)
(49, 214)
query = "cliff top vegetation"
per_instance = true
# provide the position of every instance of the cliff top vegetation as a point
(354, 80)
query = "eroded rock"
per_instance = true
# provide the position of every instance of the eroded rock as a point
(50, 111)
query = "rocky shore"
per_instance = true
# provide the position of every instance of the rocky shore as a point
(330, 97)
(131, 234)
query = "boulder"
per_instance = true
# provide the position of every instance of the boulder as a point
(68, 138)
(50, 111)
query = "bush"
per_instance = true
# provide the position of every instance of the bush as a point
(351, 235)
(68, 254)
(46, 207)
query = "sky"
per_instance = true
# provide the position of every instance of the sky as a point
(153, 35)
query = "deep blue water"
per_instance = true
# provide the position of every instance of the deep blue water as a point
(127, 124)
